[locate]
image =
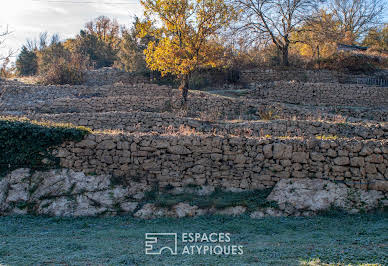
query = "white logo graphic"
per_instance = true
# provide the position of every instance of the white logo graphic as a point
(155, 243)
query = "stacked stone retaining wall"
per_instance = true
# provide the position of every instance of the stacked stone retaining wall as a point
(328, 94)
(228, 162)
(169, 123)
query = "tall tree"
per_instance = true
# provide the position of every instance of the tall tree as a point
(99, 41)
(356, 17)
(377, 38)
(317, 36)
(184, 37)
(50, 55)
(275, 20)
(97, 51)
(131, 54)
(27, 62)
(105, 29)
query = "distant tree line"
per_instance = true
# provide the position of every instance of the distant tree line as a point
(102, 43)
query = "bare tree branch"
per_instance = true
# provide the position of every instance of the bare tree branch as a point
(273, 19)
(357, 16)
(3, 36)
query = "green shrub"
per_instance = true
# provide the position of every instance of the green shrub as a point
(29, 144)
(130, 56)
(27, 62)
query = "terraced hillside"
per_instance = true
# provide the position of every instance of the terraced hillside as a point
(258, 138)
(276, 109)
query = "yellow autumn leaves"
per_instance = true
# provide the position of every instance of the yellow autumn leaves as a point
(184, 38)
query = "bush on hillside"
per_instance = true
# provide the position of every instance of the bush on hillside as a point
(130, 57)
(356, 63)
(29, 144)
(213, 78)
(62, 73)
(59, 66)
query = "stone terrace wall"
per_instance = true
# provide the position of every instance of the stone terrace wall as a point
(228, 162)
(21, 97)
(109, 75)
(213, 107)
(328, 94)
(353, 114)
(169, 123)
(304, 75)
(265, 75)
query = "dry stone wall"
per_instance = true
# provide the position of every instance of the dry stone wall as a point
(21, 97)
(328, 94)
(109, 75)
(228, 162)
(201, 105)
(25, 99)
(304, 75)
(107, 174)
(111, 172)
(264, 75)
(169, 123)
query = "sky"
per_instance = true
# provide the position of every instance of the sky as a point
(27, 18)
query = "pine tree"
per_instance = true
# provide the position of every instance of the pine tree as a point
(27, 63)
(131, 57)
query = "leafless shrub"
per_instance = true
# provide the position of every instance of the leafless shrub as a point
(268, 113)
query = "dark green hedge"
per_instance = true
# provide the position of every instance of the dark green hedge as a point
(28, 144)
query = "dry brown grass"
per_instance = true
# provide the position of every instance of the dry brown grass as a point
(182, 130)
(269, 112)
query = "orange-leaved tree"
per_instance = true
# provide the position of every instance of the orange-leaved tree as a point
(317, 36)
(184, 32)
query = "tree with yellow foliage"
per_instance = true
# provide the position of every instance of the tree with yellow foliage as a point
(377, 38)
(317, 36)
(183, 32)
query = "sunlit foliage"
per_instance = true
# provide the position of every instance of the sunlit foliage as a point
(318, 36)
(377, 38)
(184, 33)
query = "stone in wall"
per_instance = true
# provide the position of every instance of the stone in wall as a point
(299, 195)
(64, 192)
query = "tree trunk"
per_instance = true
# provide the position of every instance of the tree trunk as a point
(285, 56)
(319, 58)
(184, 87)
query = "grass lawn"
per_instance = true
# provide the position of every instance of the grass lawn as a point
(335, 238)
